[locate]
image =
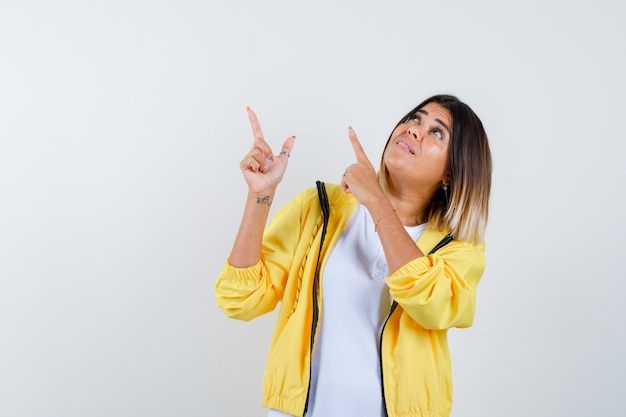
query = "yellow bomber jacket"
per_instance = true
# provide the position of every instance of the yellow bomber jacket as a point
(432, 294)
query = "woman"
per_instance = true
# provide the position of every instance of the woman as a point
(371, 274)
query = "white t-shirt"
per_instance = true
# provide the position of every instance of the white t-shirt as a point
(345, 378)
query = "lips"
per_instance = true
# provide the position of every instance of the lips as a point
(406, 145)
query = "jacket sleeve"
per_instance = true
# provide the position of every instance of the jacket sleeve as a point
(246, 293)
(438, 291)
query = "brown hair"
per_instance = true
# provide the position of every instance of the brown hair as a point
(464, 208)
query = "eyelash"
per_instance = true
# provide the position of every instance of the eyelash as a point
(438, 132)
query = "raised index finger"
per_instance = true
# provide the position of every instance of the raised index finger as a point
(356, 145)
(259, 140)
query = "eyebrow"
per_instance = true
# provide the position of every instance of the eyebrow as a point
(441, 122)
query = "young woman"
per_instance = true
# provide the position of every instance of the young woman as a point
(370, 274)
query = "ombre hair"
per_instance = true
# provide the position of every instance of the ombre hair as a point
(463, 208)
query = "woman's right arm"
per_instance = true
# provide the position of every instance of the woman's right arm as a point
(262, 171)
(244, 288)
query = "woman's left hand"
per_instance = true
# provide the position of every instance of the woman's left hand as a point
(360, 179)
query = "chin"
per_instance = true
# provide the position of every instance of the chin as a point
(398, 163)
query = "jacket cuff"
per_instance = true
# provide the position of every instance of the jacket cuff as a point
(242, 274)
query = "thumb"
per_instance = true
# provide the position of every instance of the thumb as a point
(288, 146)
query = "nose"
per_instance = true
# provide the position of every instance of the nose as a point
(414, 130)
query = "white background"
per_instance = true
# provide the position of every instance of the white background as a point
(122, 124)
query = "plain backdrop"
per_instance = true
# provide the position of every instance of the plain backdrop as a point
(122, 124)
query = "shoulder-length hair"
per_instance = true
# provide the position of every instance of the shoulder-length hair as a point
(463, 208)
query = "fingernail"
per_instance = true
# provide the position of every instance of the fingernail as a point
(350, 129)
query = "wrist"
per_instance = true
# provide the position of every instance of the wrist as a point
(376, 201)
(261, 198)
(382, 217)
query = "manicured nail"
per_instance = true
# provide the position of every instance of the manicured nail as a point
(350, 129)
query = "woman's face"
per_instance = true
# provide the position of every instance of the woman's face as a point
(417, 154)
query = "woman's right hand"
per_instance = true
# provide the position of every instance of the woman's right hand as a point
(261, 169)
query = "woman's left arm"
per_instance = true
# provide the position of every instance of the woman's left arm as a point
(361, 180)
(438, 291)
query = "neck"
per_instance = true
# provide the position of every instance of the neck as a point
(409, 206)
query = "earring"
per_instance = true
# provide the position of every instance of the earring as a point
(444, 186)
